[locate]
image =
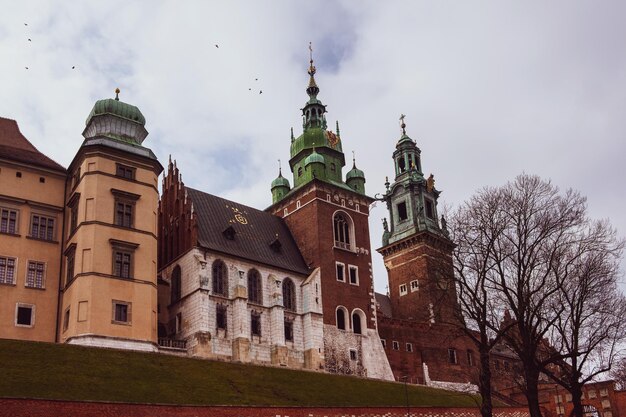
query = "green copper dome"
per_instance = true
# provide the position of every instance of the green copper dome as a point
(116, 108)
(314, 158)
(280, 181)
(355, 173)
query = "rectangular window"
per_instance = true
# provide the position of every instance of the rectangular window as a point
(42, 227)
(352, 354)
(452, 356)
(415, 285)
(178, 323)
(354, 275)
(506, 365)
(430, 209)
(496, 365)
(384, 343)
(402, 213)
(122, 264)
(69, 267)
(8, 221)
(288, 330)
(123, 213)
(220, 316)
(74, 217)
(470, 358)
(340, 271)
(121, 312)
(25, 315)
(403, 290)
(604, 392)
(255, 323)
(591, 393)
(125, 171)
(409, 347)
(66, 319)
(35, 274)
(395, 345)
(7, 270)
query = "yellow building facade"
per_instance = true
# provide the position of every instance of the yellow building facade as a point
(78, 249)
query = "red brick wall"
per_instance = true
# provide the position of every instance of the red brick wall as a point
(430, 345)
(312, 227)
(46, 408)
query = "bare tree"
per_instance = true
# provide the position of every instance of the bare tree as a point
(589, 329)
(618, 373)
(475, 228)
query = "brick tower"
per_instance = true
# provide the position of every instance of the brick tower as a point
(328, 217)
(416, 249)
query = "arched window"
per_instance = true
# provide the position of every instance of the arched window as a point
(341, 319)
(289, 295)
(254, 286)
(176, 284)
(342, 228)
(220, 279)
(356, 322)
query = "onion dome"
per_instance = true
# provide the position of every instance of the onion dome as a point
(280, 181)
(355, 173)
(314, 158)
(116, 108)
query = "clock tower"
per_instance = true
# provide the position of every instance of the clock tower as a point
(328, 218)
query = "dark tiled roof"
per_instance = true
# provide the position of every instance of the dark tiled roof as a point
(15, 147)
(255, 232)
(384, 304)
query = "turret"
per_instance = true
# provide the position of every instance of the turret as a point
(280, 187)
(355, 178)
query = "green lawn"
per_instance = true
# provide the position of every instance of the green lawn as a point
(51, 371)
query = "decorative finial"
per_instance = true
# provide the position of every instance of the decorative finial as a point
(312, 89)
(337, 123)
(292, 138)
(117, 94)
(280, 170)
(402, 124)
(353, 160)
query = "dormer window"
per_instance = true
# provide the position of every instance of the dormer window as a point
(229, 233)
(276, 245)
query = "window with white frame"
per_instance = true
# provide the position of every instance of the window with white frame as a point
(35, 274)
(342, 227)
(414, 285)
(353, 273)
(384, 343)
(395, 345)
(8, 220)
(7, 270)
(409, 347)
(403, 290)
(341, 271)
(353, 355)
(24, 315)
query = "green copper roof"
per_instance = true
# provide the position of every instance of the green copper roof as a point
(355, 173)
(280, 181)
(117, 108)
(314, 158)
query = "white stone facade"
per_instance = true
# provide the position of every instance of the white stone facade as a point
(112, 343)
(194, 317)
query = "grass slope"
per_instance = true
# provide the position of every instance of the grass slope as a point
(52, 371)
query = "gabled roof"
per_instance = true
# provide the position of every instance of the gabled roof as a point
(245, 232)
(15, 147)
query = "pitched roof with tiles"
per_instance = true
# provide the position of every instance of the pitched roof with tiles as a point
(245, 232)
(15, 147)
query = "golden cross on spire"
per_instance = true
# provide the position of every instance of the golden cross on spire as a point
(311, 66)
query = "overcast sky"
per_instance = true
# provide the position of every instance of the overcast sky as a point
(490, 89)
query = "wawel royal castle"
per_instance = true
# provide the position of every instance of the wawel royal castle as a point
(92, 255)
